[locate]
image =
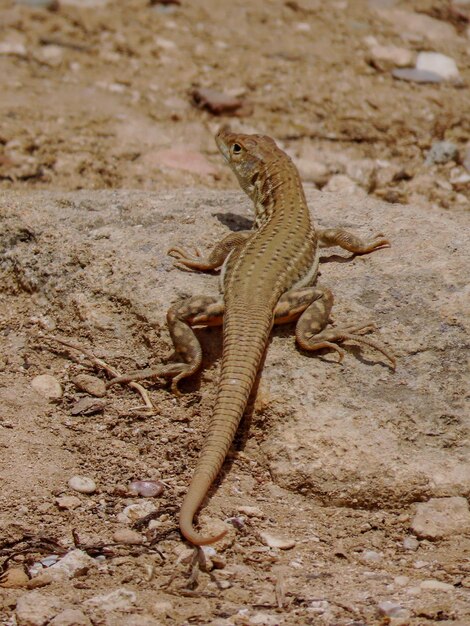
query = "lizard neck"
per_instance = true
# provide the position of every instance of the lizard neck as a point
(277, 189)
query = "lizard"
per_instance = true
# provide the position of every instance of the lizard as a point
(268, 276)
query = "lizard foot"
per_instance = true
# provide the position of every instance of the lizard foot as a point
(330, 337)
(175, 371)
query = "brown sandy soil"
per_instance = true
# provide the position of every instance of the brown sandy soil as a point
(333, 460)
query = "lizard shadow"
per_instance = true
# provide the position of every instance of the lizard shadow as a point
(234, 222)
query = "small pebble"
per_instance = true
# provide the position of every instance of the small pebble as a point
(121, 599)
(90, 384)
(134, 512)
(401, 581)
(442, 152)
(217, 102)
(371, 556)
(439, 64)
(414, 75)
(88, 406)
(392, 609)
(82, 484)
(14, 578)
(436, 585)
(146, 488)
(74, 564)
(128, 537)
(251, 511)
(237, 522)
(12, 48)
(410, 543)
(277, 542)
(47, 386)
(50, 560)
(163, 607)
(391, 56)
(68, 503)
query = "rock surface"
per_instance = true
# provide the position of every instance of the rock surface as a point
(331, 459)
(441, 517)
(334, 418)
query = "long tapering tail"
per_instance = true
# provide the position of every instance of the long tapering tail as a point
(245, 338)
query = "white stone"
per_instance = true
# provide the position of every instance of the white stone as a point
(118, 600)
(12, 48)
(73, 564)
(47, 386)
(438, 63)
(82, 484)
(371, 556)
(392, 609)
(274, 541)
(410, 543)
(134, 512)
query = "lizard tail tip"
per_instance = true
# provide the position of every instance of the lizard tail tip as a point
(188, 532)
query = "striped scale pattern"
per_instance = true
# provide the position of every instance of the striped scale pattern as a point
(270, 262)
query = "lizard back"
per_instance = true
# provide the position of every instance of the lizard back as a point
(276, 257)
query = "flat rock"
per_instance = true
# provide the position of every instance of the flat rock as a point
(47, 386)
(441, 517)
(37, 609)
(121, 599)
(91, 384)
(418, 24)
(70, 617)
(357, 434)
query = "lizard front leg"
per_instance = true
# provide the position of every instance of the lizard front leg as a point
(348, 241)
(312, 307)
(216, 258)
(202, 310)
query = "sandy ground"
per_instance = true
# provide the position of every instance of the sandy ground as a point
(98, 96)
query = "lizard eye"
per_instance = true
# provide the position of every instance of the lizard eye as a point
(236, 148)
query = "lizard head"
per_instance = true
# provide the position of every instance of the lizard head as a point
(247, 155)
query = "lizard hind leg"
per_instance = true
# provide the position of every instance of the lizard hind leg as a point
(312, 307)
(311, 332)
(199, 310)
(348, 241)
